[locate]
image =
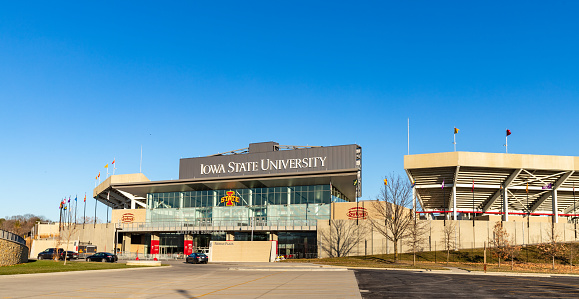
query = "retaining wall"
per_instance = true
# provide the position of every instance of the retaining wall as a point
(12, 253)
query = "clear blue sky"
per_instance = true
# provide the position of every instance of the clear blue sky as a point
(83, 84)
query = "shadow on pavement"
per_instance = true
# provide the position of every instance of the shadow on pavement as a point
(185, 294)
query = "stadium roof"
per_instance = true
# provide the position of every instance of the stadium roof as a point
(490, 173)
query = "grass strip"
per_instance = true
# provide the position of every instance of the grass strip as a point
(45, 266)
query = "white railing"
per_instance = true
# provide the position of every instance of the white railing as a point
(217, 225)
(12, 237)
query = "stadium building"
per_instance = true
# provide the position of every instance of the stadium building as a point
(266, 192)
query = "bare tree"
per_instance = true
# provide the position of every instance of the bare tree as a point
(448, 238)
(500, 242)
(554, 248)
(392, 217)
(68, 231)
(20, 224)
(342, 236)
(502, 247)
(416, 236)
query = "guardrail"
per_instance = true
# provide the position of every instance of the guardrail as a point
(12, 237)
(221, 225)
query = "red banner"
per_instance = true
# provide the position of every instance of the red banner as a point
(188, 247)
(154, 246)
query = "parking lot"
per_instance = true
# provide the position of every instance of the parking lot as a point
(410, 284)
(182, 280)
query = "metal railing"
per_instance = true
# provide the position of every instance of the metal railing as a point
(221, 225)
(12, 237)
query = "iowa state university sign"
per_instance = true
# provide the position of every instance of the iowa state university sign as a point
(263, 164)
(316, 159)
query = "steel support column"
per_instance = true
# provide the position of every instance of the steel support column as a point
(454, 202)
(555, 211)
(505, 205)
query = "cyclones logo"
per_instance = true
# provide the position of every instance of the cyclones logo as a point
(230, 199)
(127, 218)
(357, 213)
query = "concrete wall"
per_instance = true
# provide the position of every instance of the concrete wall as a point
(465, 236)
(102, 235)
(241, 251)
(128, 215)
(12, 253)
(40, 245)
(49, 230)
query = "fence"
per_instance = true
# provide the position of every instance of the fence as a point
(12, 237)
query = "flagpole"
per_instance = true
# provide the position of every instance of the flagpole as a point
(60, 218)
(444, 202)
(84, 216)
(507, 142)
(574, 211)
(454, 135)
(75, 208)
(409, 136)
(114, 165)
(473, 204)
(95, 207)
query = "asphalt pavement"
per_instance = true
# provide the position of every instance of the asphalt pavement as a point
(417, 284)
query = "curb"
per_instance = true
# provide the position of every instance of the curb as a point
(478, 273)
(288, 269)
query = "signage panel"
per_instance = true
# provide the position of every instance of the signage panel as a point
(154, 246)
(188, 247)
(273, 162)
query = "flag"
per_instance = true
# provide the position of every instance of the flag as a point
(69, 199)
(442, 184)
(99, 175)
(113, 161)
(508, 132)
(412, 183)
(96, 177)
(456, 130)
(527, 187)
(548, 186)
(385, 182)
(85, 197)
(75, 198)
(107, 166)
(355, 182)
(472, 185)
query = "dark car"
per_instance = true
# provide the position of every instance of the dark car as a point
(102, 257)
(197, 258)
(71, 255)
(51, 254)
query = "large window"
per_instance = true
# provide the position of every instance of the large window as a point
(264, 205)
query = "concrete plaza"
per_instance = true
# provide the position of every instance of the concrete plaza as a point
(188, 281)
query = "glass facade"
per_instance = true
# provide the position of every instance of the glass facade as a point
(262, 205)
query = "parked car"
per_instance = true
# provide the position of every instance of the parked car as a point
(102, 257)
(197, 258)
(51, 253)
(71, 255)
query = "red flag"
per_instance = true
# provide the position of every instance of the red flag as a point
(113, 161)
(472, 185)
(85, 198)
(508, 132)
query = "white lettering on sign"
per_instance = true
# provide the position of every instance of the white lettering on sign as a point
(264, 165)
